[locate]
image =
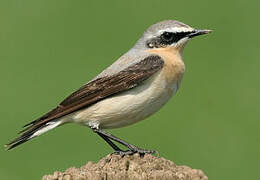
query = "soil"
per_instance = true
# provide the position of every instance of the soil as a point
(134, 167)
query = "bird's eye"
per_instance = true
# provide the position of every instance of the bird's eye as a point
(167, 36)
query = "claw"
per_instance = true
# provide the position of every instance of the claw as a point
(141, 152)
(124, 153)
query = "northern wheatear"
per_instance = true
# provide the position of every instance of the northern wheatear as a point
(134, 87)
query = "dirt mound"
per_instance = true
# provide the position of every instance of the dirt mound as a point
(115, 167)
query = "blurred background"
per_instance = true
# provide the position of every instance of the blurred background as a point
(50, 48)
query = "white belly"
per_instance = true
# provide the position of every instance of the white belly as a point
(130, 106)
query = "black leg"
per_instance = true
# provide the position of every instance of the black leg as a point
(133, 149)
(115, 147)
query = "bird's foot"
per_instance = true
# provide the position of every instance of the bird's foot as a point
(123, 153)
(140, 151)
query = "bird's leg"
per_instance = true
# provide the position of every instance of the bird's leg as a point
(132, 148)
(115, 147)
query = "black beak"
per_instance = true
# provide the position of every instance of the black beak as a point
(198, 32)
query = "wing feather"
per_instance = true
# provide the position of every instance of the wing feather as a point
(95, 91)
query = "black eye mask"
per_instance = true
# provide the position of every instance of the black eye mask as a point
(166, 38)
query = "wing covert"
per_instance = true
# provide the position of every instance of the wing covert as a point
(103, 87)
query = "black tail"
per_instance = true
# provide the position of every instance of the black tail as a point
(32, 131)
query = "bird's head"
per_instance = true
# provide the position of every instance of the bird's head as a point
(169, 33)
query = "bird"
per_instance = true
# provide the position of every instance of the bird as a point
(133, 88)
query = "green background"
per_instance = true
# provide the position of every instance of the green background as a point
(49, 48)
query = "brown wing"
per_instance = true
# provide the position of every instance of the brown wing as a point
(95, 91)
